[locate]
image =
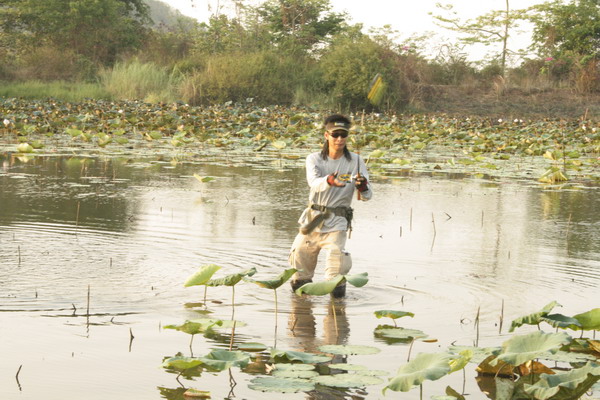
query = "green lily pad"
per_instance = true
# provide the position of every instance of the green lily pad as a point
(458, 363)
(520, 349)
(349, 349)
(478, 354)
(280, 385)
(252, 347)
(347, 380)
(231, 280)
(221, 360)
(307, 358)
(294, 367)
(401, 333)
(560, 321)
(218, 323)
(357, 280)
(202, 276)
(25, 148)
(589, 320)
(275, 283)
(295, 374)
(426, 366)
(194, 327)
(320, 288)
(393, 314)
(371, 372)
(197, 394)
(348, 367)
(571, 385)
(567, 357)
(181, 363)
(533, 319)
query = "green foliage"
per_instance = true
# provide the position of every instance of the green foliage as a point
(589, 320)
(202, 275)
(424, 366)
(232, 279)
(280, 385)
(348, 349)
(568, 385)
(533, 319)
(307, 358)
(60, 90)
(275, 283)
(520, 349)
(141, 81)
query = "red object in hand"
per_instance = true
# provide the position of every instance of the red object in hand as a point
(331, 179)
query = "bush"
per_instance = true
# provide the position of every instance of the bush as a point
(141, 81)
(48, 63)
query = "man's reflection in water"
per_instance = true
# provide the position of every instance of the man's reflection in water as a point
(303, 326)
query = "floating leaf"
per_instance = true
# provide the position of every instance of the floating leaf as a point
(478, 354)
(571, 385)
(202, 275)
(348, 367)
(426, 366)
(294, 367)
(533, 319)
(347, 380)
(231, 280)
(275, 283)
(371, 372)
(279, 144)
(251, 346)
(281, 385)
(520, 349)
(567, 356)
(25, 148)
(497, 368)
(393, 314)
(349, 349)
(307, 358)
(400, 333)
(181, 363)
(295, 374)
(221, 360)
(218, 323)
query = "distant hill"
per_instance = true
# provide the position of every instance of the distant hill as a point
(165, 16)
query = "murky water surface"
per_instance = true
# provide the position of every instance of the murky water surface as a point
(132, 230)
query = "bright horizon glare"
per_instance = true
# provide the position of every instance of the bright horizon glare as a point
(408, 18)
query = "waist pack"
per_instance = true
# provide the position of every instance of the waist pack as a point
(317, 214)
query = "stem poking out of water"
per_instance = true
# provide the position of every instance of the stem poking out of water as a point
(131, 337)
(410, 349)
(501, 317)
(434, 231)
(276, 313)
(477, 326)
(17, 376)
(19, 251)
(205, 289)
(77, 217)
(411, 219)
(232, 336)
(482, 218)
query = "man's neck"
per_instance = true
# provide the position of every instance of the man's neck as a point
(335, 154)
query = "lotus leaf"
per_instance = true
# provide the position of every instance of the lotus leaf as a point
(231, 280)
(533, 319)
(279, 144)
(571, 385)
(308, 358)
(192, 328)
(181, 363)
(295, 374)
(275, 283)
(347, 380)
(348, 349)
(560, 321)
(204, 179)
(348, 367)
(294, 367)
(202, 276)
(589, 320)
(567, 356)
(281, 385)
(520, 349)
(425, 366)
(25, 148)
(400, 333)
(478, 354)
(217, 323)
(393, 314)
(371, 372)
(357, 280)
(224, 359)
(320, 288)
(458, 363)
(251, 347)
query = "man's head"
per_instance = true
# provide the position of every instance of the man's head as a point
(336, 127)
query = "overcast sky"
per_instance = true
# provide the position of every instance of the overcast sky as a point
(407, 16)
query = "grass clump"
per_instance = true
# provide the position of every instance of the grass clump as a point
(60, 90)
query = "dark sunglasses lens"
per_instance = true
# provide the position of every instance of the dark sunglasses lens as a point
(338, 134)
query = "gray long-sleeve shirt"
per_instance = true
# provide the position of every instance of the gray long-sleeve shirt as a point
(321, 193)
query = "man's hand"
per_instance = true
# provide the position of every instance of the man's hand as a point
(361, 183)
(332, 180)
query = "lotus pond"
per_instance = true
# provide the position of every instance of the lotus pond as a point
(98, 239)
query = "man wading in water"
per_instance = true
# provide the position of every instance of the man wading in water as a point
(332, 175)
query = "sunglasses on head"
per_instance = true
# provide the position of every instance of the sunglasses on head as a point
(337, 134)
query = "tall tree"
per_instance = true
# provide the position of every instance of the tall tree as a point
(494, 27)
(96, 29)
